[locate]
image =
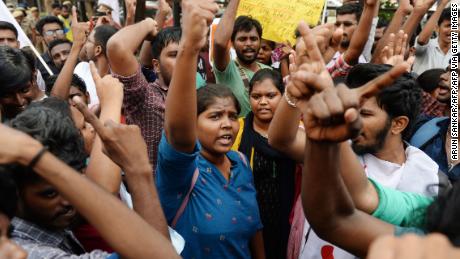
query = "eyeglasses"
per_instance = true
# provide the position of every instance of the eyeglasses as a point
(345, 24)
(52, 32)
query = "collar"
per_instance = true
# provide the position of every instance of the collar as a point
(26, 230)
(159, 83)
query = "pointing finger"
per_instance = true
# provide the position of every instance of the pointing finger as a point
(94, 72)
(74, 15)
(89, 116)
(310, 43)
(373, 87)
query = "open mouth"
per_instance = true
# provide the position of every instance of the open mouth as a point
(443, 91)
(249, 52)
(68, 213)
(225, 139)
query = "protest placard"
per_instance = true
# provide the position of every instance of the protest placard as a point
(279, 19)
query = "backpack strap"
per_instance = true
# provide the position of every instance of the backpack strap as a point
(187, 197)
(184, 203)
(426, 132)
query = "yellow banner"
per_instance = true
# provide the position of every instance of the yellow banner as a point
(279, 18)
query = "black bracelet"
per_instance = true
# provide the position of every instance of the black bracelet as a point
(37, 157)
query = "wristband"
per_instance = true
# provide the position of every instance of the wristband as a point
(37, 157)
(288, 99)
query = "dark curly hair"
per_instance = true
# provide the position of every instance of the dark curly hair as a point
(246, 24)
(15, 68)
(402, 98)
(445, 15)
(53, 129)
(165, 37)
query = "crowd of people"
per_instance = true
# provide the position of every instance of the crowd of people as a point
(145, 140)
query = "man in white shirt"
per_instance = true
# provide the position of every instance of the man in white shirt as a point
(386, 158)
(434, 53)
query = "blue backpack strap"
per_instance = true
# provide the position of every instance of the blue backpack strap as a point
(426, 132)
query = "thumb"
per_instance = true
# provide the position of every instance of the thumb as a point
(353, 121)
(94, 72)
(336, 38)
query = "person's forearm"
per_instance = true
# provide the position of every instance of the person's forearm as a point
(130, 17)
(145, 56)
(224, 30)
(325, 198)
(145, 199)
(122, 228)
(370, 40)
(160, 18)
(412, 22)
(181, 114)
(361, 190)
(427, 31)
(136, 34)
(394, 26)
(101, 169)
(284, 67)
(360, 36)
(61, 87)
(222, 36)
(257, 246)
(283, 130)
(129, 20)
(328, 206)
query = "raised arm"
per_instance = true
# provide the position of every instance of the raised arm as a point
(125, 146)
(122, 46)
(360, 36)
(404, 9)
(421, 7)
(430, 26)
(122, 228)
(130, 12)
(61, 87)
(181, 107)
(145, 55)
(284, 133)
(324, 193)
(331, 116)
(223, 34)
(101, 169)
(164, 10)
